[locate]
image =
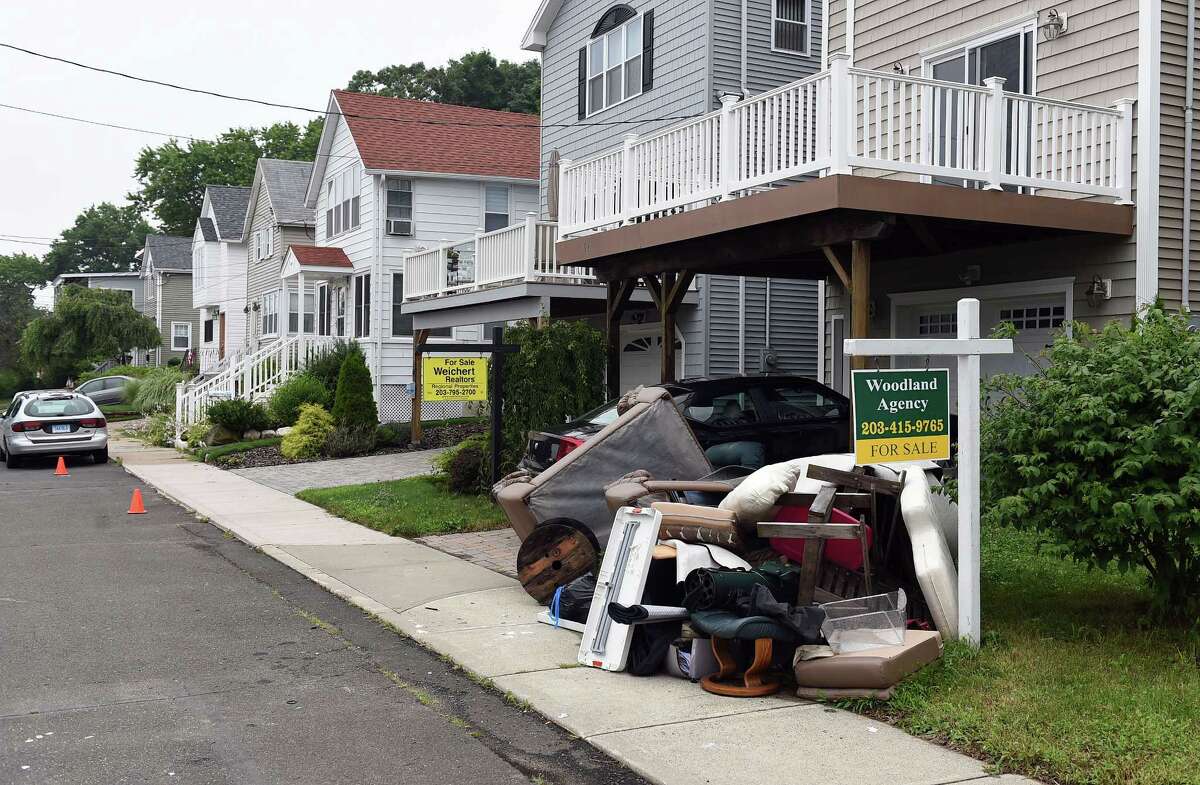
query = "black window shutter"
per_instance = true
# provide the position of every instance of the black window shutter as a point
(583, 83)
(648, 51)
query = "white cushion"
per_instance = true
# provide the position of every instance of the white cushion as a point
(754, 497)
(931, 555)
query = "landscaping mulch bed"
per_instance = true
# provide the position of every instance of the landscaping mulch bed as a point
(437, 437)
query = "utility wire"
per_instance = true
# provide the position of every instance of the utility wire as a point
(97, 122)
(277, 105)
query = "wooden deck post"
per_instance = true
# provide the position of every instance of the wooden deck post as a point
(419, 337)
(860, 295)
(667, 371)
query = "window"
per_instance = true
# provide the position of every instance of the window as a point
(793, 403)
(937, 324)
(198, 264)
(323, 309)
(495, 207)
(723, 411)
(789, 26)
(399, 206)
(181, 336)
(342, 201)
(270, 313)
(362, 306)
(59, 407)
(264, 241)
(310, 305)
(208, 330)
(1043, 317)
(339, 311)
(614, 65)
(402, 324)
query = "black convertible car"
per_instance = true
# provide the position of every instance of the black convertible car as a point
(739, 420)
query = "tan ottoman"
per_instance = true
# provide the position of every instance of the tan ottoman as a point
(866, 674)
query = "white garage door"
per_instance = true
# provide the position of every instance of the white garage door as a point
(1037, 317)
(641, 358)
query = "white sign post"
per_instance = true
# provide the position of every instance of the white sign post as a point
(968, 346)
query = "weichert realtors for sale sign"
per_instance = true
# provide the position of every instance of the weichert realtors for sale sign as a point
(901, 415)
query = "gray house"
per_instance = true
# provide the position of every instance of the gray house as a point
(166, 274)
(613, 74)
(276, 219)
(120, 282)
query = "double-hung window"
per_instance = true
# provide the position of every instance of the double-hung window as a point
(790, 26)
(362, 306)
(342, 201)
(310, 307)
(399, 206)
(263, 244)
(339, 311)
(181, 336)
(495, 207)
(614, 65)
(270, 313)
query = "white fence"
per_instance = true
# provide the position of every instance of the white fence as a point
(521, 252)
(845, 118)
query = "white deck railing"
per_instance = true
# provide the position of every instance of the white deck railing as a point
(521, 252)
(844, 119)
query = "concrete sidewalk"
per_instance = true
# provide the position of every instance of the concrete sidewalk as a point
(668, 730)
(291, 478)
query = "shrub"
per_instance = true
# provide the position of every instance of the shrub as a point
(194, 435)
(557, 374)
(394, 434)
(1099, 451)
(466, 465)
(326, 366)
(300, 389)
(354, 403)
(239, 415)
(13, 380)
(308, 435)
(134, 371)
(343, 442)
(154, 392)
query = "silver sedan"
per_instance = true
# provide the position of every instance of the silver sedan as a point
(53, 423)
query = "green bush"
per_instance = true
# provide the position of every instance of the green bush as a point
(466, 465)
(308, 435)
(154, 392)
(327, 366)
(175, 362)
(1099, 451)
(239, 415)
(134, 371)
(343, 442)
(300, 389)
(393, 434)
(195, 433)
(354, 403)
(14, 380)
(557, 374)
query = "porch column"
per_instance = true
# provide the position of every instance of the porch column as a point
(300, 358)
(616, 301)
(419, 337)
(668, 293)
(860, 295)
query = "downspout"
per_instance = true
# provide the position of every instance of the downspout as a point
(742, 326)
(745, 21)
(158, 288)
(377, 288)
(824, 34)
(850, 30)
(767, 325)
(1189, 122)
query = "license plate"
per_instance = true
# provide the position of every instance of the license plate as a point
(60, 428)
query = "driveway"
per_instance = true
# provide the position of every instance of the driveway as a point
(295, 477)
(154, 649)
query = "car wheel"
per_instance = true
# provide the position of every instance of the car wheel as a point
(100, 456)
(11, 461)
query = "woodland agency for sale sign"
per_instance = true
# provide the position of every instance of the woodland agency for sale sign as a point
(901, 415)
(454, 378)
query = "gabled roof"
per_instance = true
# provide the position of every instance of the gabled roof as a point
(315, 256)
(535, 34)
(285, 183)
(229, 207)
(207, 229)
(403, 135)
(169, 253)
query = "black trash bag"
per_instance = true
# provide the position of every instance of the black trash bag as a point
(650, 645)
(575, 600)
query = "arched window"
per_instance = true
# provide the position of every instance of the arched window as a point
(618, 62)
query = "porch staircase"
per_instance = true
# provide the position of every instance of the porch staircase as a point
(249, 377)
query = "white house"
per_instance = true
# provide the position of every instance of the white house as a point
(219, 274)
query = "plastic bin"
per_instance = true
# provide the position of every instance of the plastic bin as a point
(865, 622)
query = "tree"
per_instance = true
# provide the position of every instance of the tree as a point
(1099, 451)
(103, 239)
(20, 274)
(86, 325)
(354, 401)
(476, 79)
(173, 175)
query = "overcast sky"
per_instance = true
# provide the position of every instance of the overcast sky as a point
(292, 52)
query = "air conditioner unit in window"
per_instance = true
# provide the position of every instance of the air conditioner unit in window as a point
(396, 226)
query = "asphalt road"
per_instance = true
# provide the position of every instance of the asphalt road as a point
(153, 649)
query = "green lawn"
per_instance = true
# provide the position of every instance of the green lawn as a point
(1072, 684)
(413, 507)
(119, 412)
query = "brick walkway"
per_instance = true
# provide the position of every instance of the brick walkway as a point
(295, 477)
(496, 550)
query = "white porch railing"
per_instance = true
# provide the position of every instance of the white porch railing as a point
(249, 377)
(846, 118)
(521, 252)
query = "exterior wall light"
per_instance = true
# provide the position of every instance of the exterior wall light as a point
(1099, 290)
(1056, 25)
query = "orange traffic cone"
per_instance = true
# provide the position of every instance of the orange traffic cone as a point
(61, 469)
(135, 504)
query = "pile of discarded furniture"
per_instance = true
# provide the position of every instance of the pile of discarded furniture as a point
(837, 577)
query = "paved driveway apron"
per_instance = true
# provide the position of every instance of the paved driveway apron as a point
(146, 649)
(295, 477)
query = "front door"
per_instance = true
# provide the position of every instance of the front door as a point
(221, 336)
